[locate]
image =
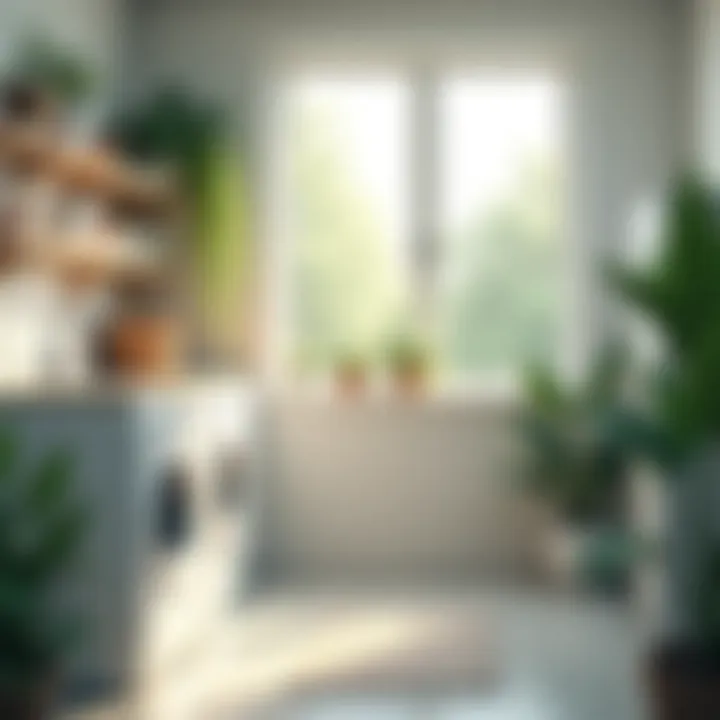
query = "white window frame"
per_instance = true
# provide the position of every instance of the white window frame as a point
(423, 72)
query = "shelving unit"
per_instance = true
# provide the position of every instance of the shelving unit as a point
(83, 217)
(92, 171)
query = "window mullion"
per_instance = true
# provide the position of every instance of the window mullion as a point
(424, 184)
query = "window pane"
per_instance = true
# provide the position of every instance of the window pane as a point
(348, 213)
(501, 214)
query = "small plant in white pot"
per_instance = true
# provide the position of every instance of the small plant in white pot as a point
(41, 528)
(575, 469)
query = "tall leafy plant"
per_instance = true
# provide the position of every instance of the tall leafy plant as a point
(679, 295)
(678, 424)
(176, 127)
(41, 529)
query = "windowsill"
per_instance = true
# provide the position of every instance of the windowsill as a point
(487, 395)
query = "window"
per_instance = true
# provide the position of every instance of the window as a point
(500, 206)
(358, 224)
(347, 233)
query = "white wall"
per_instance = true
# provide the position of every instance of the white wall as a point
(392, 490)
(625, 64)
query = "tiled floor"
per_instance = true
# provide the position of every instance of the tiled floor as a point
(470, 655)
(441, 656)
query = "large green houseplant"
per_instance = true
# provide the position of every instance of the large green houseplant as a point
(574, 466)
(676, 426)
(41, 527)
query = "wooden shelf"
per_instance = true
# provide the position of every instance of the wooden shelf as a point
(96, 261)
(94, 171)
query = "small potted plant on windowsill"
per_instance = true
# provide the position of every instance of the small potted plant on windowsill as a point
(409, 363)
(351, 374)
(41, 529)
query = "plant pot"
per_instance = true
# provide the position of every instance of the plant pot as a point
(143, 346)
(589, 556)
(683, 681)
(34, 702)
(410, 382)
(606, 562)
(351, 383)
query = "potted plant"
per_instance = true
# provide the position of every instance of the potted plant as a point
(40, 533)
(45, 80)
(677, 427)
(144, 337)
(408, 361)
(177, 129)
(574, 470)
(351, 373)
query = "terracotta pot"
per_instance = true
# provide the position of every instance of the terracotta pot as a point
(351, 382)
(684, 682)
(144, 346)
(410, 382)
(31, 703)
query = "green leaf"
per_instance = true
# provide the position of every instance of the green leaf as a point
(608, 374)
(680, 294)
(8, 455)
(57, 545)
(50, 486)
(55, 68)
(544, 392)
(41, 531)
(574, 461)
